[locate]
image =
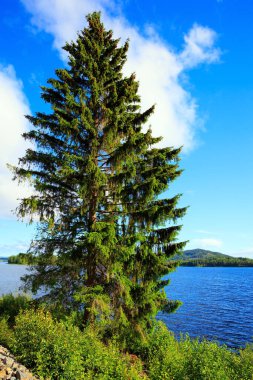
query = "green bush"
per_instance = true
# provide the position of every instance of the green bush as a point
(6, 334)
(48, 347)
(207, 360)
(56, 350)
(107, 362)
(166, 358)
(243, 363)
(59, 350)
(11, 305)
(162, 355)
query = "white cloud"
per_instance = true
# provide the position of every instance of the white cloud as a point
(63, 18)
(199, 47)
(159, 69)
(14, 248)
(207, 243)
(13, 108)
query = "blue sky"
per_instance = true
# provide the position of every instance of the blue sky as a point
(193, 59)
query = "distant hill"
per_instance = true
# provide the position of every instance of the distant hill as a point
(202, 254)
(202, 257)
(3, 258)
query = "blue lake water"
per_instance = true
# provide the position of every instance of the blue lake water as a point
(217, 302)
(10, 277)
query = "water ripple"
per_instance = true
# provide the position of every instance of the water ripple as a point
(217, 304)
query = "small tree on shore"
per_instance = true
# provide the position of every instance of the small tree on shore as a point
(97, 177)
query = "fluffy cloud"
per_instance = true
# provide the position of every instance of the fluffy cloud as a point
(13, 108)
(207, 243)
(63, 18)
(199, 47)
(14, 248)
(159, 68)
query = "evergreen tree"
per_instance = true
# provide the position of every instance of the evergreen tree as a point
(97, 179)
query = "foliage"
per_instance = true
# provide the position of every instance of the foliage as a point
(11, 305)
(225, 262)
(244, 363)
(47, 347)
(167, 358)
(6, 333)
(98, 177)
(57, 350)
(204, 258)
(21, 258)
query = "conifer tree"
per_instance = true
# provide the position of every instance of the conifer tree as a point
(105, 236)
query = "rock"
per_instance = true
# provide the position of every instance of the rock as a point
(2, 374)
(20, 375)
(9, 362)
(10, 369)
(4, 359)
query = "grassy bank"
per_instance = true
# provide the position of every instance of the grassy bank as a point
(58, 348)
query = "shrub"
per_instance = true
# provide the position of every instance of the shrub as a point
(59, 350)
(166, 358)
(162, 355)
(49, 348)
(11, 305)
(6, 334)
(243, 364)
(56, 350)
(206, 360)
(107, 362)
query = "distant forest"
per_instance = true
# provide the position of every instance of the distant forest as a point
(27, 259)
(203, 258)
(191, 258)
(233, 262)
(21, 258)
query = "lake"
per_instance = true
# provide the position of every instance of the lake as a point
(10, 277)
(217, 302)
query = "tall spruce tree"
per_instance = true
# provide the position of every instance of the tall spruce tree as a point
(105, 236)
